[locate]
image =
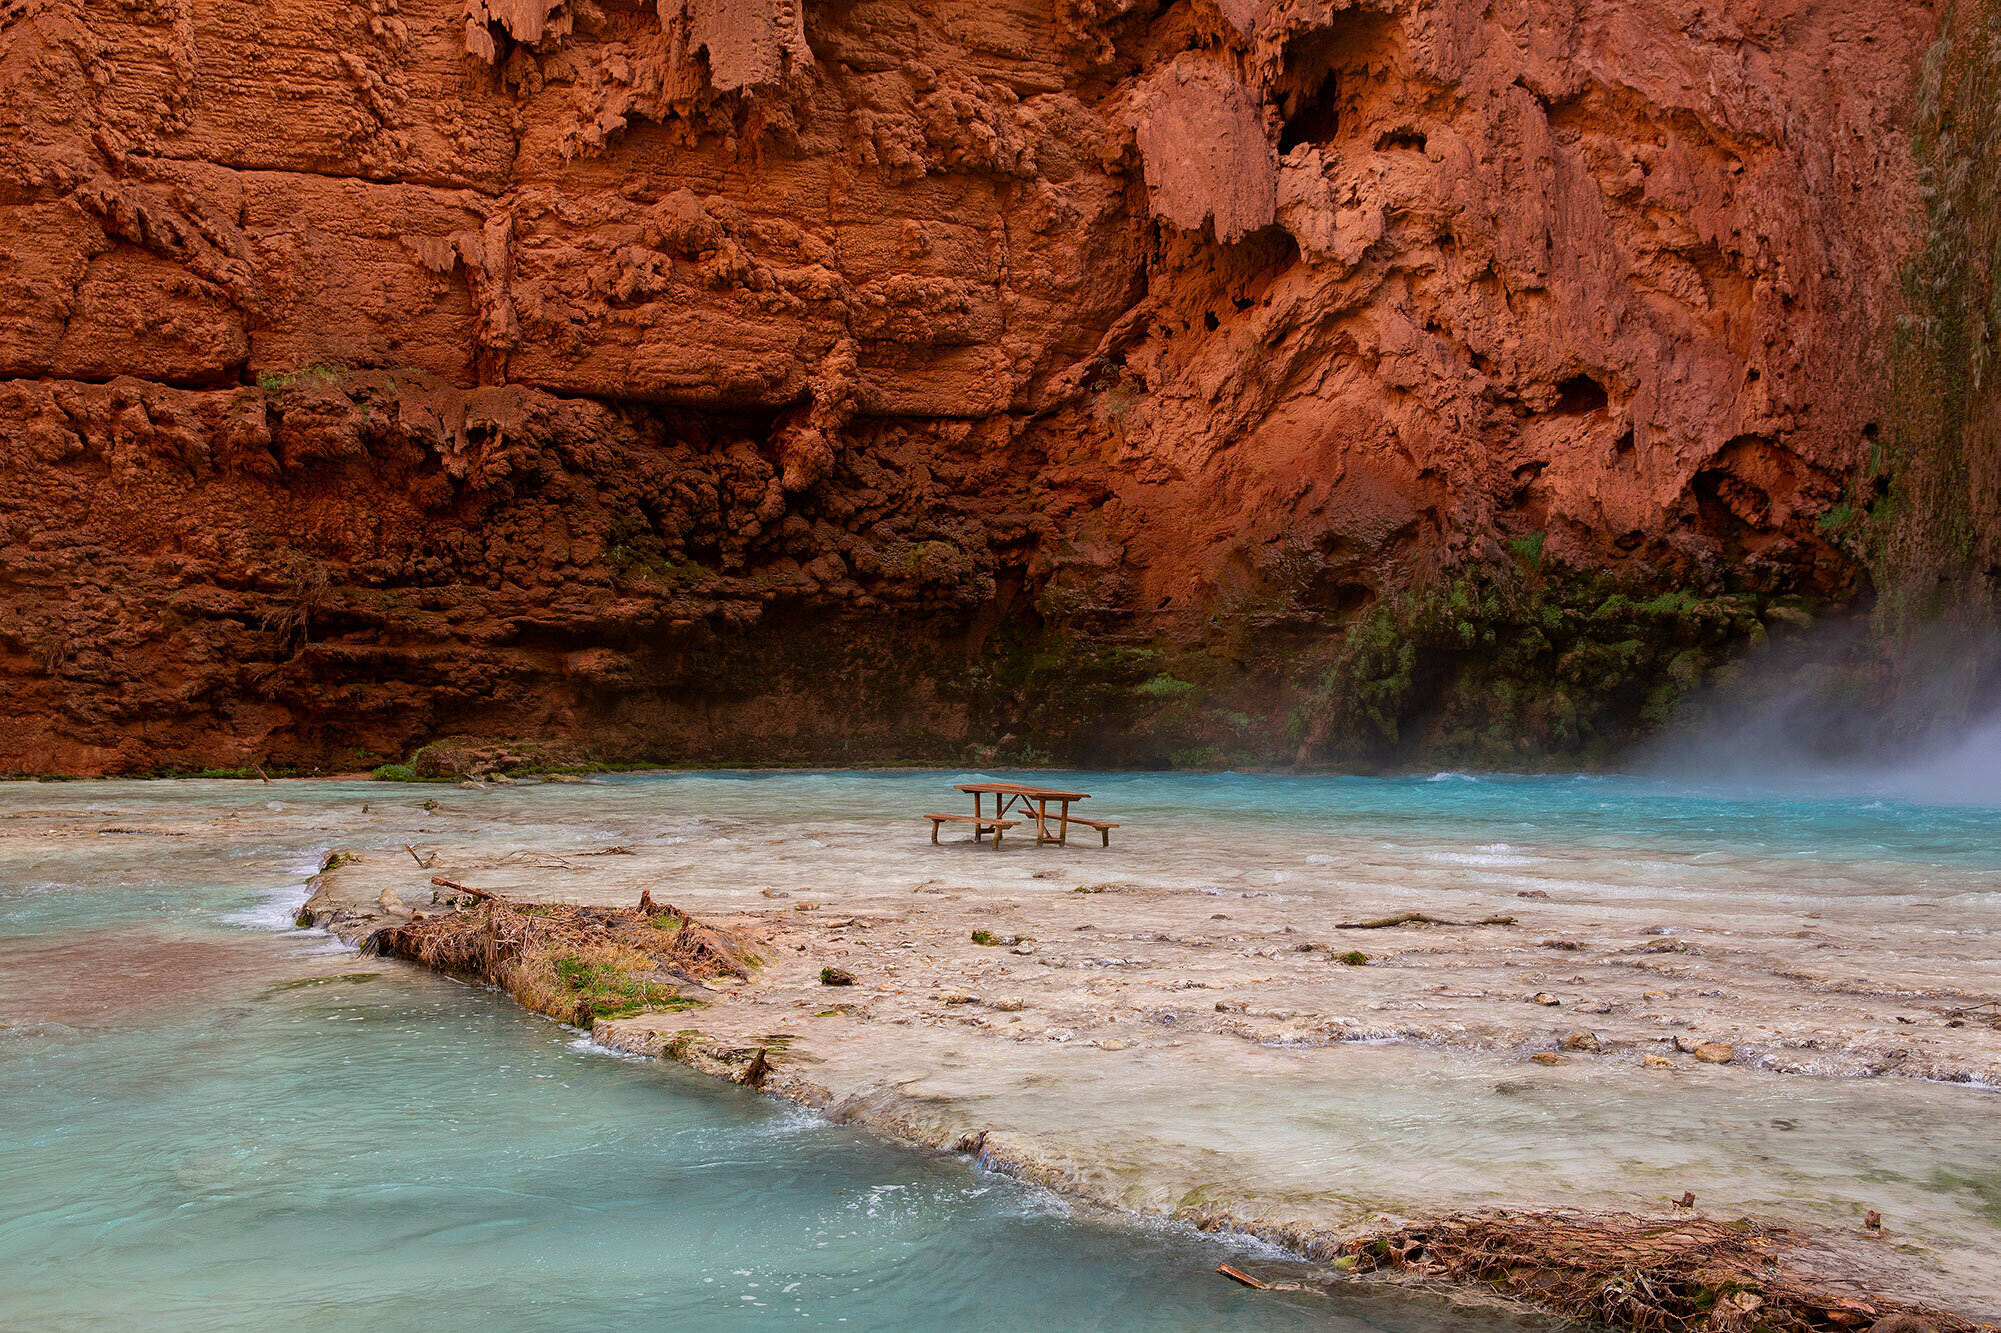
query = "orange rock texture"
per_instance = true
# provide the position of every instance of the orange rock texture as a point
(981, 379)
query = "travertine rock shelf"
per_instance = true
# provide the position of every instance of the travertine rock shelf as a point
(779, 379)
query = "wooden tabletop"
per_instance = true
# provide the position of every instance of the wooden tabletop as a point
(1019, 789)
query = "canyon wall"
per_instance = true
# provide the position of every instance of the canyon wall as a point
(1280, 381)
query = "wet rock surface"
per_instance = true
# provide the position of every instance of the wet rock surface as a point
(1089, 1064)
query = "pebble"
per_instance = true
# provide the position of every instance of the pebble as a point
(1544, 997)
(1715, 1053)
(1010, 1004)
(955, 997)
(1581, 1040)
(1550, 1058)
(775, 893)
(1657, 1062)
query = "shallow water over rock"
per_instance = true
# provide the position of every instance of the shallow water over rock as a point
(210, 1121)
(1761, 919)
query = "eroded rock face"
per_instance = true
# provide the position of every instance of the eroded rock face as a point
(789, 379)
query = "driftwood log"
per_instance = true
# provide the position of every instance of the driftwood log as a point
(1421, 919)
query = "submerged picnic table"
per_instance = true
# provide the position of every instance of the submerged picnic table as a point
(1036, 800)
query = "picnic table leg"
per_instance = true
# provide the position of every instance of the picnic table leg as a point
(976, 816)
(1063, 835)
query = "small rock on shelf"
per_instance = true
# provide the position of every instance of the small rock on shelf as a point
(836, 976)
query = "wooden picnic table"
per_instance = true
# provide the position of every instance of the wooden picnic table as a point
(1011, 793)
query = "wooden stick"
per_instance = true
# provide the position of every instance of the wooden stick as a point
(444, 883)
(1238, 1275)
(413, 855)
(1410, 918)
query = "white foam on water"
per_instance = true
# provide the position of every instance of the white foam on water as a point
(584, 1042)
(1482, 859)
(279, 911)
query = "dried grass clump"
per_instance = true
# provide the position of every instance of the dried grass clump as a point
(576, 964)
(1677, 1275)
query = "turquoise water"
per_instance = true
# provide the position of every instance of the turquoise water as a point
(207, 1121)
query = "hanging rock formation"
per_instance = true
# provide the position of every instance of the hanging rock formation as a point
(1298, 380)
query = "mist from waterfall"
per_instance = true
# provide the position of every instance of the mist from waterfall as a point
(1828, 711)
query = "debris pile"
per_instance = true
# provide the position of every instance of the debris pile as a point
(1675, 1275)
(576, 964)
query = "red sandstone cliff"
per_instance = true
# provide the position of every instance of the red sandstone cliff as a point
(787, 379)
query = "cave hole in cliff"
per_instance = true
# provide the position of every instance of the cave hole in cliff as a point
(1313, 115)
(1321, 66)
(1579, 396)
(1340, 595)
(1728, 508)
(1409, 140)
(1210, 322)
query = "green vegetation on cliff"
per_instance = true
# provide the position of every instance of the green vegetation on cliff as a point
(1935, 525)
(1513, 669)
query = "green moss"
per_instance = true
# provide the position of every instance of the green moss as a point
(1352, 958)
(1501, 668)
(394, 773)
(1196, 756)
(604, 991)
(1164, 686)
(232, 774)
(985, 937)
(275, 381)
(1932, 531)
(345, 978)
(1529, 548)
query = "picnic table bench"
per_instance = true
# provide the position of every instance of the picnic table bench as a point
(1030, 800)
(979, 825)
